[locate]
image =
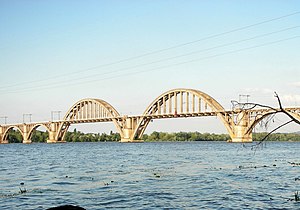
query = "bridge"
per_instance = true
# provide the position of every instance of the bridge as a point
(176, 103)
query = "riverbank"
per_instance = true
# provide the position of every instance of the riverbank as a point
(78, 136)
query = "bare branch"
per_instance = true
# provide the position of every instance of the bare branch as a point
(263, 139)
(251, 106)
(278, 99)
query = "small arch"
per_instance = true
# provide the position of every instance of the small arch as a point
(6, 132)
(31, 131)
(264, 115)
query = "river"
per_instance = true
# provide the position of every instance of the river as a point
(161, 175)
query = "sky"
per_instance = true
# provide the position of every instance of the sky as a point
(56, 52)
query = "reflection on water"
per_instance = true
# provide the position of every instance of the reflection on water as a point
(180, 175)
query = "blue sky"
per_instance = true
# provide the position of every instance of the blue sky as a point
(54, 53)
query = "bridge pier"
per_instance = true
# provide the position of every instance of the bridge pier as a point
(52, 135)
(241, 132)
(127, 135)
(241, 138)
(25, 134)
(2, 136)
(53, 132)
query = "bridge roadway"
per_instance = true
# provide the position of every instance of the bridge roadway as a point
(176, 103)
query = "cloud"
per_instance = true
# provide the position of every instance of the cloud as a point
(266, 96)
(296, 84)
(260, 90)
(291, 99)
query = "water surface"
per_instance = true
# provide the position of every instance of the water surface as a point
(169, 175)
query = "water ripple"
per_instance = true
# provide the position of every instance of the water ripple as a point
(191, 175)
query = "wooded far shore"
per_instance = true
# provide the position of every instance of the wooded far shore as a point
(78, 136)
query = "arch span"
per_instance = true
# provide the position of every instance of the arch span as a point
(32, 129)
(259, 116)
(88, 110)
(180, 103)
(5, 133)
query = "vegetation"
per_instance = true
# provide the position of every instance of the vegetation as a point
(39, 136)
(77, 136)
(196, 136)
(277, 136)
(185, 136)
(14, 137)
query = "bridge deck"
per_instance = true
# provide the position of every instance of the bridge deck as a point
(155, 116)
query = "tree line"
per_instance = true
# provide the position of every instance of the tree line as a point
(78, 136)
(196, 136)
(75, 136)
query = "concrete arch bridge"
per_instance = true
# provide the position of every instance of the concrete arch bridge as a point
(176, 103)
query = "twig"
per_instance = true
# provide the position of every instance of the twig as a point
(263, 139)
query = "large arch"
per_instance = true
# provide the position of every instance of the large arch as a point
(181, 102)
(89, 110)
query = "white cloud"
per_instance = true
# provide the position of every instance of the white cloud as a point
(296, 84)
(290, 99)
(260, 90)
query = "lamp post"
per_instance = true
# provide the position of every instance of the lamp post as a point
(53, 115)
(27, 115)
(5, 119)
(244, 96)
(241, 96)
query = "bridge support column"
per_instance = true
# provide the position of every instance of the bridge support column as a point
(240, 136)
(53, 133)
(52, 139)
(128, 130)
(2, 135)
(241, 133)
(26, 134)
